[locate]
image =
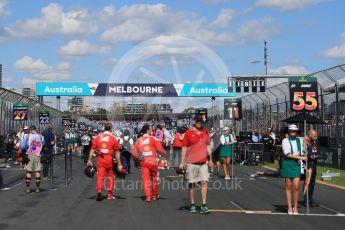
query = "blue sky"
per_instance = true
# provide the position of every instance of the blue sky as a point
(83, 41)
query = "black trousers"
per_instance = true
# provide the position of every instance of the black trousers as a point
(311, 186)
(86, 151)
(46, 162)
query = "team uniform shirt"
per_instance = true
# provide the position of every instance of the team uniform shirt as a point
(287, 147)
(177, 140)
(196, 145)
(70, 138)
(313, 152)
(149, 147)
(227, 138)
(105, 144)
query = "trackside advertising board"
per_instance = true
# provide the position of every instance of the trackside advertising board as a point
(20, 112)
(303, 94)
(134, 89)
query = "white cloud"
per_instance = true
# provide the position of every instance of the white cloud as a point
(3, 11)
(54, 22)
(110, 62)
(288, 4)
(82, 48)
(336, 51)
(139, 22)
(215, 2)
(289, 69)
(224, 18)
(40, 71)
(292, 70)
(257, 30)
(135, 23)
(293, 61)
(133, 30)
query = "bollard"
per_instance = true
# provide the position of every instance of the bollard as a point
(70, 165)
(52, 170)
(66, 166)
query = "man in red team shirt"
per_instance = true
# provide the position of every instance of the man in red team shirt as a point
(106, 145)
(196, 149)
(146, 150)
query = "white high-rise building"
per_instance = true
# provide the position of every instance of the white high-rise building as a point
(30, 93)
(77, 104)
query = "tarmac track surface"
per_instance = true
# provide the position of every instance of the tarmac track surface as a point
(243, 203)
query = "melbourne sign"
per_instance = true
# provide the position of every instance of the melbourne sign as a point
(133, 89)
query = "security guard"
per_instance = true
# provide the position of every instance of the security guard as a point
(106, 145)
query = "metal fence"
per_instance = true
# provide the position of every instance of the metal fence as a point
(7, 123)
(268, 109)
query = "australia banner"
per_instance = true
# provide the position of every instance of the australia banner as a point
(134, 89)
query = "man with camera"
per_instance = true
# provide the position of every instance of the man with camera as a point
(196, 152)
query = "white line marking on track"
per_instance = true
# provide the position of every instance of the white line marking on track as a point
(237, 206)
(330, 209)
(282, 213)
(6, 189)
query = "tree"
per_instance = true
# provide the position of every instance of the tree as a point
(117, 109)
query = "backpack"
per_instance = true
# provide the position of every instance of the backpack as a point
(126, 145)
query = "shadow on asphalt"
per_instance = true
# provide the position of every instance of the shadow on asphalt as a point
(284, 208)
(104, 197)
(143, 198)
(281, 208)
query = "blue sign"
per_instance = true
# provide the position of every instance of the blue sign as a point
(204, 90)
(63, 89)
(134, 89)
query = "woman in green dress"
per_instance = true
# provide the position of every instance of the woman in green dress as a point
(226, 151)
(291, 169)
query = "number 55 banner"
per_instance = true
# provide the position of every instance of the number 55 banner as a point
(303, 94)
